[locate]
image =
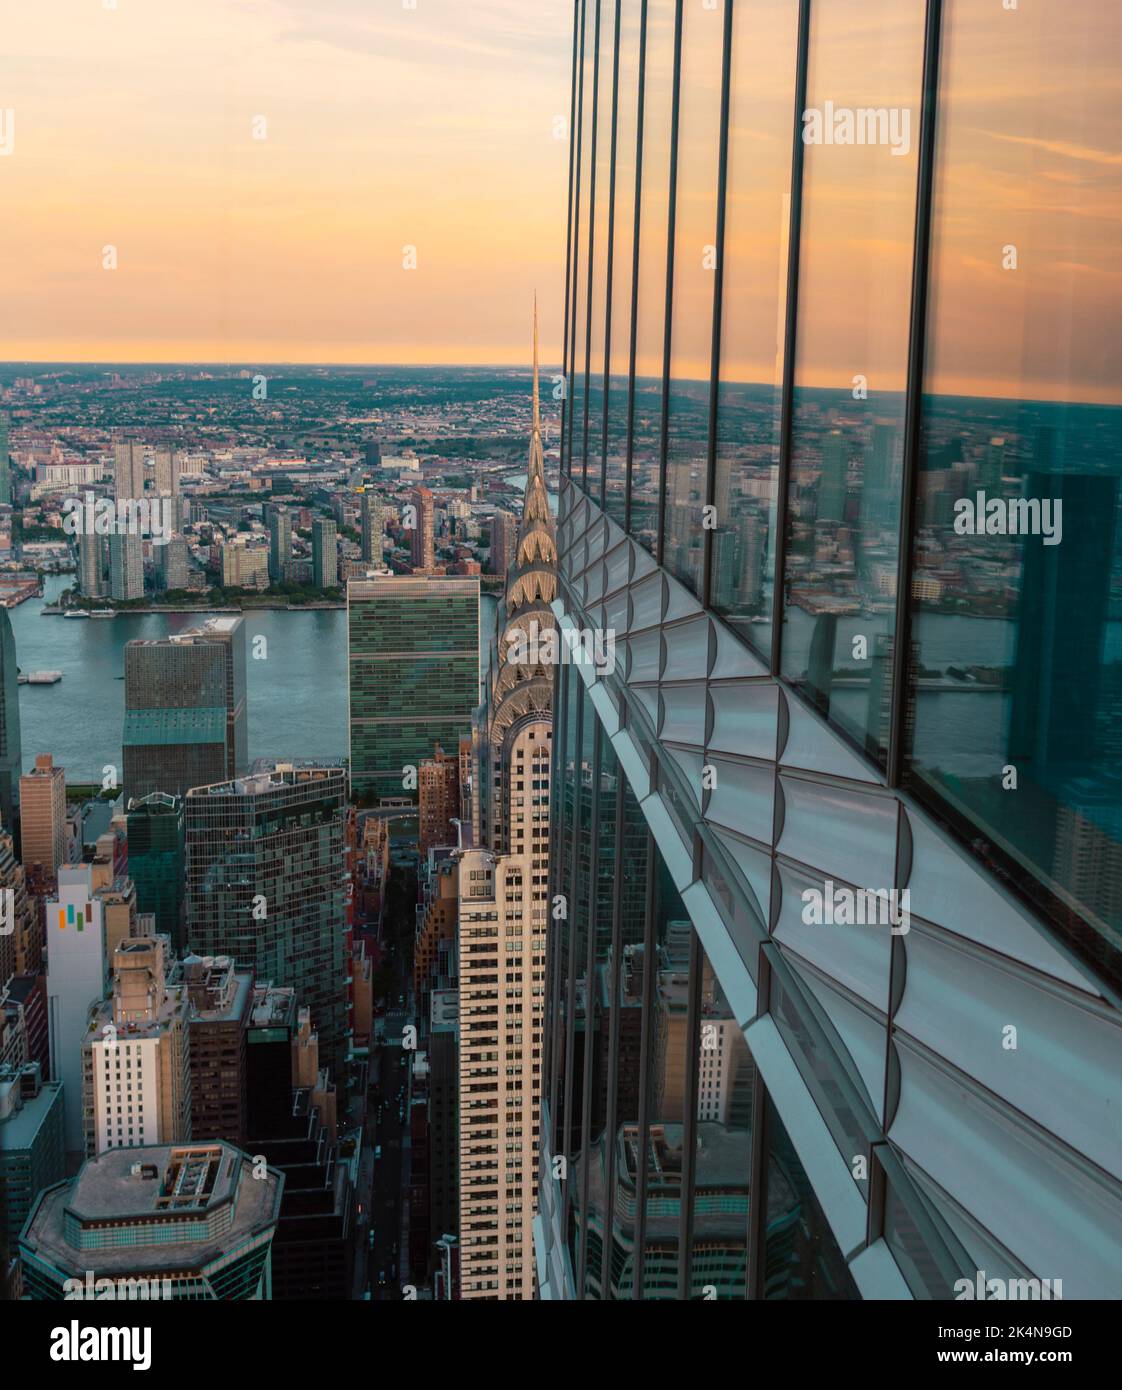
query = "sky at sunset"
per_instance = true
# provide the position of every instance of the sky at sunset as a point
(386, 128)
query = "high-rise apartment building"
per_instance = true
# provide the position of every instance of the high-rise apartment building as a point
(373, 530)
(422, 542)
(172, 563)
(185, 709)
(126, 566)
(128, 470)
(167, 468)
(503, 917)
(42, 798)
(438, 796)
(11, 748)
(504, 538)
(413, 661)
(265, 885)
(325, 553)
(880, 992)
(136, 1074)
(280, 544)
(245, 566)
(91, 564)
(220, 998)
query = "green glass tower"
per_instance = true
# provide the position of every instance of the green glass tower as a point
(413, 669)
(265, 884)
(156, 860)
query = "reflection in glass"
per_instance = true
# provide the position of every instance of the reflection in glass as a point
(695, 261)
(578, 324)
(592, 443)
(650, 329)
(623, 269)
(861, 132)
(1016, 717)
(757, 212)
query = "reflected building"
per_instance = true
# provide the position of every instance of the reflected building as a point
(846, 694)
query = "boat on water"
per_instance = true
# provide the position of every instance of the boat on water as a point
(103, 612)
(76, 613)
(39, 678)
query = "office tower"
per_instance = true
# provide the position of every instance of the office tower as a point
(220, 999)
(325, 553)
(244, 566)
(77, 978)
(372, 452)
(373, 528)
(32, 1150)
(23, 1016)
(91, 565)
(504, 537)
(21, 930)
(893, 1147)
(172, 563)
(438, 791)
(126, 567)
(11, 753)
(280, 544)
(156, 860)
(185, 709)
(128, 471)
(151, 1214)
(991, 468)
(413, 663)
(501, 937)
(136, 1073)
(167, 466)
(5, 461)
(265, 885)
(42, 797)
(421, 543)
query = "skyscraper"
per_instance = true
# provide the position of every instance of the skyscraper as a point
(413, 659)
(126, 566)
(91, 565)
(801, 840)
(172, 563)
(157, 855)
(136, 1075)
(128, 470)
(185, 709)
(265, 885)
(167, 467)
(42, 798)
(280, 544)
(11, 749)
(421, 538)
(504, 537)
(373, 528)
(77, 966)
(325, 553)
(438, 794)
(503, 917)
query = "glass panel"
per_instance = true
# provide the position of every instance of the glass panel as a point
(618, 995)
(623, 268)
(602, 194)
(578, 326)
(650, 327)
(801, 1259)
(861, 131)
(666, 1090)
(757, 212)
(723, 1154)
(695, 260)
(1019, 566)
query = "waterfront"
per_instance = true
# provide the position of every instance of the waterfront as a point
(297, 694)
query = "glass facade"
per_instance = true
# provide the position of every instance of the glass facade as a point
(854, 534)
(865, 410)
